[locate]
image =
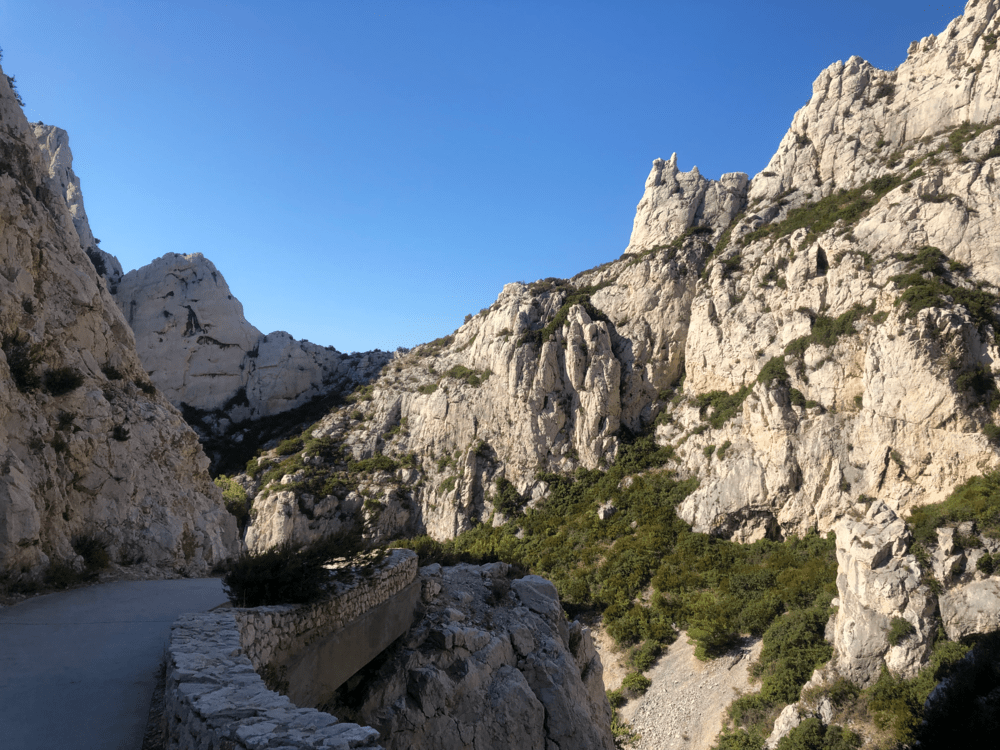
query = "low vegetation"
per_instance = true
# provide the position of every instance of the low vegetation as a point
(846, 206)
(929, 281)
(288, 573)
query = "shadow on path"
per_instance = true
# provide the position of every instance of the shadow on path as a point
(78, 668)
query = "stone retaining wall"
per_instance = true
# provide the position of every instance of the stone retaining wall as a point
(271, 634)
(216, 700)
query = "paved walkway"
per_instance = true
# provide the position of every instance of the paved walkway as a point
(78, 668)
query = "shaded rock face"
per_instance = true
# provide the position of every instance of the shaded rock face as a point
(89, 446)
(491, 664)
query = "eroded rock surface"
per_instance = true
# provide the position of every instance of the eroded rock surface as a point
(89, 446)
(491, 664)
(877, 581)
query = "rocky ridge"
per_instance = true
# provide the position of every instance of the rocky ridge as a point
(838, 338)
(90, 447)
(836, 342)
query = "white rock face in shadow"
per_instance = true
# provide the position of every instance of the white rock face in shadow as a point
(90, 448)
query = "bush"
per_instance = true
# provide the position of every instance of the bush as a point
(378, 462)
(93, 550)
(62, 380)
(287, 573)
(507, 499)
(59, 575)
(289, 446)
(235, 499)
(811, 734)
(976, 500)
(845, 205)
(724, 405)
(635, 684)
(120, 433)
(899, 630)
(22, 356)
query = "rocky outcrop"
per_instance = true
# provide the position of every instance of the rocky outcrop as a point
(202, 353)
(676, 201)
(192, 336)
(877, 583)
(492, 664)
(90, 447)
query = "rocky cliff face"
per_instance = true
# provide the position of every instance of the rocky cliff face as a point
(193, 340)
(491, 664)
(90, 447)
(824, 332)
(849, 312)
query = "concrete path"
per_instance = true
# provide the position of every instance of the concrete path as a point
(78, 668)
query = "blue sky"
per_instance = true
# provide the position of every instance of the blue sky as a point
(365, 173)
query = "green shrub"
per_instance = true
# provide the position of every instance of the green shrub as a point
(986, 564)
(93, 549)
(773, 370)
(811, 734)
(62, 380)
(428, 388)
(845, 205)
(447, 485)
(826, 331)
(235, 499)
(976, 500)
(22, 357)
(641, 658)
(724, 405)
(721, 453)
(474, 378)
(507, 499)
(378, 462)
(899, 630)
(635, 684)
(112, 373)
(120, 433)
(288, 573)
(289, 446)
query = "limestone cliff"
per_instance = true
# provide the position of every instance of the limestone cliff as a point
(192, 337)
(864, 275)
(89, 446)
(836, 340)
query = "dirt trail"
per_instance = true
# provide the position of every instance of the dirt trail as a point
(685, 706)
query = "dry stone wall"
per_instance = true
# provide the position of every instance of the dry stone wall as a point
(270, 633)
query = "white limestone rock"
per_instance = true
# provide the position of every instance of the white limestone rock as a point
(200, 350)
(486, 667)
(878, 581)
(971, 608)
(101, 456)
(675, 201)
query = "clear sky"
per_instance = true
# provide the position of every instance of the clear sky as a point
(365, 173)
